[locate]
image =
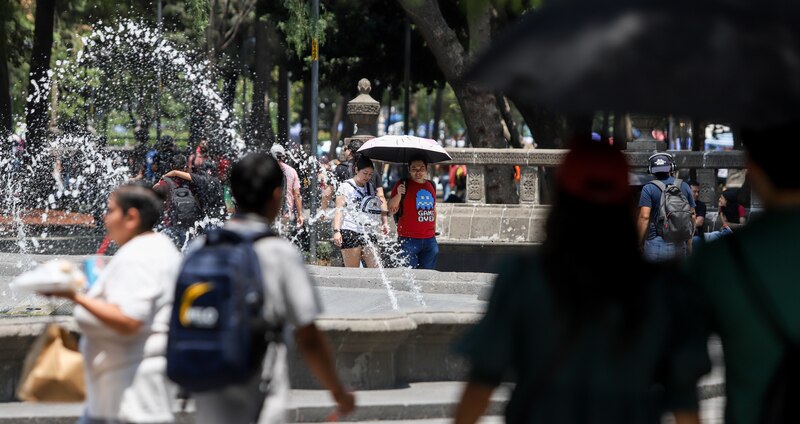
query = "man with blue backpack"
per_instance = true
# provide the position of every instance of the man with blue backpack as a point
(238, 290)
(666, 212)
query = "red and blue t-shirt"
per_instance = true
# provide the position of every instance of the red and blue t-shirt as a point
(419, 210)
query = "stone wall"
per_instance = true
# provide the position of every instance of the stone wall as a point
(532, 163)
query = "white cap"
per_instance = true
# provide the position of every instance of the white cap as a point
(276, 150)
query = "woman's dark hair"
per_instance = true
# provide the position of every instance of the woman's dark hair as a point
(362, 162)
(778, 163)
(253, 180)
(142, 198)
(611, 270)
(418, 158)
(592, 223)
(731, 209)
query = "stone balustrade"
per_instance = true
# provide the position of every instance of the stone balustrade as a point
(533, 162)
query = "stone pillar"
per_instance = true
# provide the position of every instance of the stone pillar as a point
(646, 124)
(708, 187)
(476, 186)
(363, 111)
(529, 185)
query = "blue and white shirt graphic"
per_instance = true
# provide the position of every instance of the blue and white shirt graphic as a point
(424, 200)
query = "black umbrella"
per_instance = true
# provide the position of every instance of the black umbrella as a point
(729, 61)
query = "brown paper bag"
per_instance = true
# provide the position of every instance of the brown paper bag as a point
(53, 369)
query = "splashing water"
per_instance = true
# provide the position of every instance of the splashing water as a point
(115, 60)
(391, 249)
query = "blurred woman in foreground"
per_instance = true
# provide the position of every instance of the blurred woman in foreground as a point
(589, 332)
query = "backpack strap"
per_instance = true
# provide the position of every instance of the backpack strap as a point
(170, 182)
(399, 212)
(763, 303)
(660, 184)
(223, 235)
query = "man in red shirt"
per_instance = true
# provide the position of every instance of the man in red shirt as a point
(414, 199)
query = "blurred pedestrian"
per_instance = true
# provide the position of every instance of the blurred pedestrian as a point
(182, 208)
(124, 317)
(199, 156)
(290, 300)
(585, 339)
(292, 211)
(749, 280)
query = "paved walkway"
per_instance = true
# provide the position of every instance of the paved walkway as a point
(420, 403)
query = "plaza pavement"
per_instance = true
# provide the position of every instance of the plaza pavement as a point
(361, 293)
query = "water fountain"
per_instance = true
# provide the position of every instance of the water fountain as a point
(388, 326)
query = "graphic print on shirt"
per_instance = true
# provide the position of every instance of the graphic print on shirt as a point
(424, 203)
(365, 200)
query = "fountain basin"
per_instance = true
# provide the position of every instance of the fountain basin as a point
(375, 346)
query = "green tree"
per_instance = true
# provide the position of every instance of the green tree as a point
(453, 54)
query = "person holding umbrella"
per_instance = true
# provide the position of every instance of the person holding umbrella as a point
(413, 203)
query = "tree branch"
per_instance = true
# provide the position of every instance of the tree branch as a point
(449, 53)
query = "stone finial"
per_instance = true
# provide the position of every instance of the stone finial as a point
(363, 111)
(364, 87)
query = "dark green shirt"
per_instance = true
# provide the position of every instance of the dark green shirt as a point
(598, 378)
(771, 245)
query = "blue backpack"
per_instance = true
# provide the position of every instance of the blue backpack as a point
(217, 331)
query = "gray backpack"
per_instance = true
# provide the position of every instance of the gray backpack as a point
(674, 222)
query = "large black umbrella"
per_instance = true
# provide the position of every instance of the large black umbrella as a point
(402, 148)
(731, 61)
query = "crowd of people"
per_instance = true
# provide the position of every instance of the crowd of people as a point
(197, 193)
(579, 346)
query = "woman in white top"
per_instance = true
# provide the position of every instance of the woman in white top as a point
(358, 215)
(124, 316)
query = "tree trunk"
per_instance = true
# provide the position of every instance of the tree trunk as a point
(698, 136)
(508, 118)
(37, 118)
(196, 119)
(621, 130)
(437, 112)
(283, 102)
(337, 118)
(229, 83)
(305, 119)
(546, 126)
(348, 128)
(478, 106)
(6, 124)
(261, 134)
(211, 44)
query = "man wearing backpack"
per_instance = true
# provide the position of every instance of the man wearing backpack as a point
(413, 203)
(208, 191)
(749, 281)
(288, 299)
(182, 208)
(666, 213)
